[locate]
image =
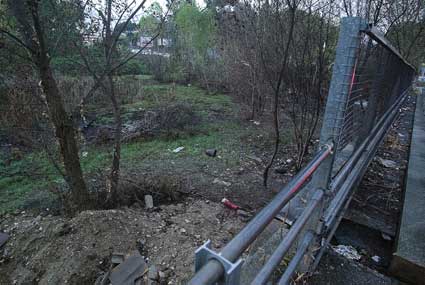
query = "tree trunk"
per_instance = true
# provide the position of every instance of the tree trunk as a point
(34, 37)
(276, 97)
(115, 169)
(110, 89)
(65, 133)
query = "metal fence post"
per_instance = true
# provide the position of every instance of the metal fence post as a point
(342, 77)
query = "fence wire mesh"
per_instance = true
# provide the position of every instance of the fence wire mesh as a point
(379, 77)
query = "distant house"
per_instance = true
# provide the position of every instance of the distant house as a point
(144, 41)
(160, 42)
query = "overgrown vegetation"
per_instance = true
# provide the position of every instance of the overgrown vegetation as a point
(91, 90)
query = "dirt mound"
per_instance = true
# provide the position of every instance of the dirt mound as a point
(56, 250)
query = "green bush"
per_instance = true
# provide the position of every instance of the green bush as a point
(133, 67)
(72, 66)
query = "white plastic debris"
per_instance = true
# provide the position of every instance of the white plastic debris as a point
(179, 149)
(85, 153)
(387, 163)
(348, 251)
(221, 182)
(376, 258)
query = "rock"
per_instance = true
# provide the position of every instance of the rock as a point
(386, 162)
(117, 258)
(3, 238)
(243, 213)
(221, 182)
(386, 237)
(280, 170)
(153, 275)
(148, 202)
(128, 271)
(211, 152)
(255, 158)
(37, 219)
(183, 230)
(140, 245)
(62, 229)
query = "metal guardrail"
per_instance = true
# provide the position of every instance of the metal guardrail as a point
(210, 266)
(370, 82)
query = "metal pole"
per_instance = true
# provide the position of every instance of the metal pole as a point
(290, 270)
(213, 270)
(280, 252)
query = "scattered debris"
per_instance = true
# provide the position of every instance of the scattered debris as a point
(211, 152)
(62, 229)
(179, 149)
(84, 154)
(386, 162)
(348, 251)
(257, 123)
(385, 236)
(229, 204)
(153, 275)
(281, 170)
(376, 258)
(127, 272)
(148, 202)
(244, 215)
(255, 158)
(117, 258)
(141, 247)
(221, 182)
(84, 254)
(3, 238)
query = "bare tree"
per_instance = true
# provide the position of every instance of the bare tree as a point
(276, 18)
(106, 28)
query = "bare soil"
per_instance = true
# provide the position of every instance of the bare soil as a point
(57, 250)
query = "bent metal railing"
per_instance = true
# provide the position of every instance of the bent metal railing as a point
(370, 82)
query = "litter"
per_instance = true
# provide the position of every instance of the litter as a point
(229, 204)
(348, 251)
(179, 149)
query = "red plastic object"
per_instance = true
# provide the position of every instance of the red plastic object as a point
(229, 204)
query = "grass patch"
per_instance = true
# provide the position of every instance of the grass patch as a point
(23, 180)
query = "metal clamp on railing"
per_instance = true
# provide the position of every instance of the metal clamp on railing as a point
(231, 270)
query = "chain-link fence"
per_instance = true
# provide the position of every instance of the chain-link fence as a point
(378, 79)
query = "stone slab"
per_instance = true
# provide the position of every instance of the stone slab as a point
(409, 259)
